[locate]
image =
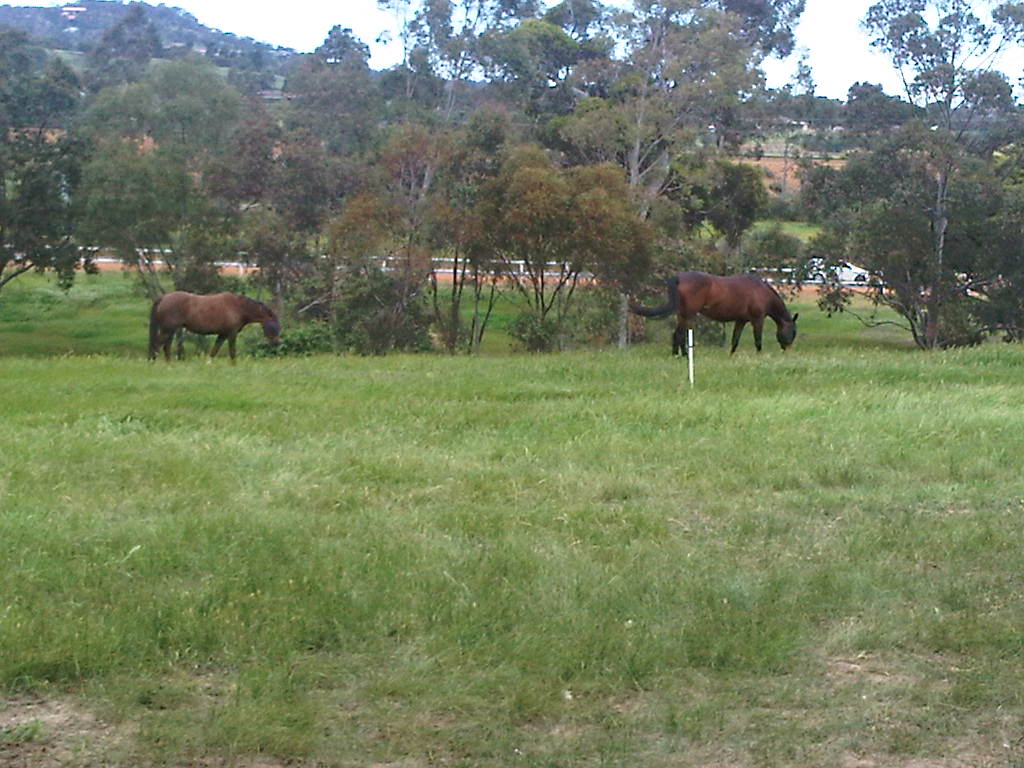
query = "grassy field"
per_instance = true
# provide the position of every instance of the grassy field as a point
(809, 559)
(799, 229)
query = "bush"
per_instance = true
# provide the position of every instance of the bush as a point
(783, 208)
(313, 338)
(958, 326)
(377, 312)
(595, 316)
(535, 333)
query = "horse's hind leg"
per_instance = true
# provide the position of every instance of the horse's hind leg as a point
(166, 337)
(217, 345)
(737, 331)
(679, 340)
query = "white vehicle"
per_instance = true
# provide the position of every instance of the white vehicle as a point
(846, 273)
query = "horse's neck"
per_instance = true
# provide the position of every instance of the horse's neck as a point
(249, 306)
(777, 309)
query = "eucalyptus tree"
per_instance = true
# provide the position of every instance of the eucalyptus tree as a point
(39, 161)
(378, 256)
(684, 65)
(153, 141)
(124, 51)
(530, 64)
(945, 53)
(464, 282)
(869, 111)
(881, 217)
(334, 96)
(548, 226)
(441, 39)
(768, 26)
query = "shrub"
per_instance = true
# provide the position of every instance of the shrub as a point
(377, 312)
(535, 333)
(312, 338)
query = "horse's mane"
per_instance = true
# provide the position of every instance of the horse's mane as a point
(255, 306)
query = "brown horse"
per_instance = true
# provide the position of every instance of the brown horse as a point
(224, 314)
(739, 298)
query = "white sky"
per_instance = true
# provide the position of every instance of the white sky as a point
(829, 32)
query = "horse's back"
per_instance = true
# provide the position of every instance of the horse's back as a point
(172, 307)
(214, 313)
(693, 290)
(729, 297)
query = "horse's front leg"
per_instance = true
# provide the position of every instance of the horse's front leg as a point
(181, 344)
(758, 326)
(737, 331)
(231, 346)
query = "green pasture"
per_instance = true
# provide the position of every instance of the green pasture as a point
(100, 314)
(802, 230)
(809, 559)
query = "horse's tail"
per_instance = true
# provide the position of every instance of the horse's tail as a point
(154, 330)
(665, 309)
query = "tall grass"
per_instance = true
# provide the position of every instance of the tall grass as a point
(575, 559)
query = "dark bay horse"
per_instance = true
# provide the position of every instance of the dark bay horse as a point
(741, 299)
(224, 314)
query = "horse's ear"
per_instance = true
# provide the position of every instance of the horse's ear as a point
(796, 316)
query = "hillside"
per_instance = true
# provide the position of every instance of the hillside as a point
(77, 30)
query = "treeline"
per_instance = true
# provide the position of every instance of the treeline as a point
(526, 148)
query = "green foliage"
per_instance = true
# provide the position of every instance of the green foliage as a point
(883, 218)
(198, 245)
(869, 110)
(39, 162)
(301, 340)
(548, 225)
(944, 51)
(22, 734)
(142, 193)
(183, 106)
(770, 247)
(735, 199)
(334, 96)
(124, 51)
(376, 313)
(535, 333)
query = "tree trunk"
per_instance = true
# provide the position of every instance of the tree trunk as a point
(941, 224)
(623, 321)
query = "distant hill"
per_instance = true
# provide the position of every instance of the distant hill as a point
(77, 26)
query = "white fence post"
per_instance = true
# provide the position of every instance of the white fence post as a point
(689, 352)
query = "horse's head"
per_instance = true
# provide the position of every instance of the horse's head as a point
(786, 332)
(271, 325)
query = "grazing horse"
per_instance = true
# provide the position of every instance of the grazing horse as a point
(224, 314)
(739, 298)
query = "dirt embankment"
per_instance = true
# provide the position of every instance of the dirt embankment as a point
(781, 172)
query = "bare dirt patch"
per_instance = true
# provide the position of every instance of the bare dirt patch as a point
(48, 733)
(781, 173)
(37, 733)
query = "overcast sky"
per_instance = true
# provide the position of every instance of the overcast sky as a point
(829, 33)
